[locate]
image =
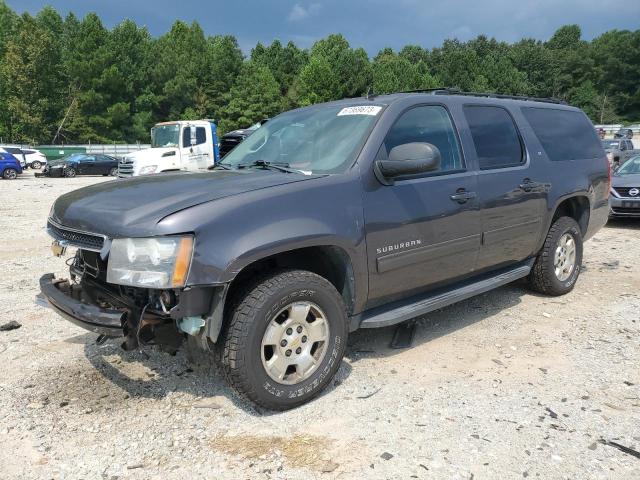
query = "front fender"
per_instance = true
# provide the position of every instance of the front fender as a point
(235, 231)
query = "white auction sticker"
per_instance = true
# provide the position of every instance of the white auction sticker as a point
(360, 110)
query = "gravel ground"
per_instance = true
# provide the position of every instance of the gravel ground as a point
(505, 385)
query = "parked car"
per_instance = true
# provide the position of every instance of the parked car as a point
(360, 213)
(231, 140)
(624, 133)
(35, 158)
(28, 157)
(619, 150)
(624, 200)
(82, 164)
(10, 166)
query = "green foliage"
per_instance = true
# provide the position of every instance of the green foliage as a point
(76, 81)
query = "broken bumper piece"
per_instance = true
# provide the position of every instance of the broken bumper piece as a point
(57, 294)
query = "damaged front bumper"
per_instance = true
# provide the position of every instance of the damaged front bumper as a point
(64, 299)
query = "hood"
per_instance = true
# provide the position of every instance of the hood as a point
(631, 180)
(133, 207)
(150, 153)
(60, 161)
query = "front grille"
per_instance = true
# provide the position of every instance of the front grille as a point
(634, 210)
(125, 168)
(86, 241)
(624, 191)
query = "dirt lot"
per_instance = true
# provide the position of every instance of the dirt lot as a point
(505, 385)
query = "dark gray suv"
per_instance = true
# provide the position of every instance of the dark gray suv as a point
(359, 213)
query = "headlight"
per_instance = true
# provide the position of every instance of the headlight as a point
(160, 262)
(148, 169)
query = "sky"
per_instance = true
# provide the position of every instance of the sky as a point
(371, 24)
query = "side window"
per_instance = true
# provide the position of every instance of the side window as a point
(88, 159)
(495, 137)
(201, 136)
(427, 124)
(564, 134)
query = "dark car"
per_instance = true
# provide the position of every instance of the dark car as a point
(10, 166)
(231, 140)
(360, 213)
(625, 190)
(624, 133)
(82, 164)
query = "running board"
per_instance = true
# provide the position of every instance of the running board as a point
(385, 316)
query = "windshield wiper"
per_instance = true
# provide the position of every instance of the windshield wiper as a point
(283, 167)
(221, 165)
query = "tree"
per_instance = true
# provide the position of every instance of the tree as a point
(254, 97)
(394, 73)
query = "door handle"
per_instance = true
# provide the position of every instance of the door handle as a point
(462, 196)
(527, 185)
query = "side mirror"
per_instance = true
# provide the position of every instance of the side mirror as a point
(192, 133)
(407, 159)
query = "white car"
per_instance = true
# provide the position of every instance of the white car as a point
(28, 157)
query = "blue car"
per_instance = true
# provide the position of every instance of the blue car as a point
(9, 166)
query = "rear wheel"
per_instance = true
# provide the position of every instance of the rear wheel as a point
(113, 172)
(10, 174)
(557, 266)
(285, 339)
(70, 172)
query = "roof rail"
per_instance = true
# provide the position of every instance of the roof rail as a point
(455, 91)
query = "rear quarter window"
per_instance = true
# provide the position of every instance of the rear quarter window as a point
(564, 134)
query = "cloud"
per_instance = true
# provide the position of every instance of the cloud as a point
(299, 12)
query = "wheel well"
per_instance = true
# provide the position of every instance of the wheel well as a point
(576, 208)
(330, 262)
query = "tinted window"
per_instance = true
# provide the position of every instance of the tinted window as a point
(564, 134)
(427, 124)
(495, 136)
(28, 152)
(201, 136)
(13, 150)
(87, 159)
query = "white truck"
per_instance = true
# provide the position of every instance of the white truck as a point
(180, 145)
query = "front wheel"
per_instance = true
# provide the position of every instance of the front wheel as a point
(70, 172)
(36, 165)
(285, 339)
(10, 174)
(557, 265)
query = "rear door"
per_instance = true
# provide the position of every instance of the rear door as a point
(104, 164)
(87, 165)
(423, 230)
(512, 190)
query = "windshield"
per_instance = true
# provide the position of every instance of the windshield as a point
(165, 136)
(609, 144)
(630, 167)
(319, 139)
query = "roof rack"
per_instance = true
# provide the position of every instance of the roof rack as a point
(456, 91)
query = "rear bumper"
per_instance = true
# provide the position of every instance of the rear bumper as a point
(55, 294)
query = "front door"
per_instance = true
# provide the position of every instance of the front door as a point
(197, 155)
(424, 230)
(511, 187)
(87, 165)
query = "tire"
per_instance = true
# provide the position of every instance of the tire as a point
(549, 275)
(69, 172)
(35, 165)
(247, 353)
(113, 172)
(10, 174)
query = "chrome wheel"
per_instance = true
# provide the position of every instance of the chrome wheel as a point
(36, 165)
(295, 342)
(564, 260)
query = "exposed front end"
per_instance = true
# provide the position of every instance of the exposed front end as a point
(131, 288)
